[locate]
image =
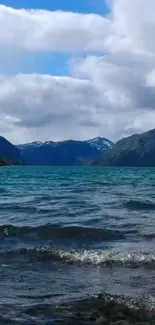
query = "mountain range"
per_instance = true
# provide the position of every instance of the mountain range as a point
(135, 150)
(64, 153)
(52, 153)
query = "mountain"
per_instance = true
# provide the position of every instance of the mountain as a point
(9, 154)
(2, 163)
(135, 150)
(101, 144)
(68, 152)
(34, 144)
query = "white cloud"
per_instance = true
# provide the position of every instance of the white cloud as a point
(43, 107)
(130, 25)
(112, 94)
(41, 30)
(134, 22)
(122, 79)
(50, 107)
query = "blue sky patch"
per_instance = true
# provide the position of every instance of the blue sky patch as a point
(83, 6)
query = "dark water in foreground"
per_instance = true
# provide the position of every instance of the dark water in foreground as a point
(68, 234)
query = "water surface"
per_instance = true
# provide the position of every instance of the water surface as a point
(67, 234)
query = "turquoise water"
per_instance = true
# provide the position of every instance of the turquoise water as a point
(67, 234)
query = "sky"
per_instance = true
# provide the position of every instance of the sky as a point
(76, 69)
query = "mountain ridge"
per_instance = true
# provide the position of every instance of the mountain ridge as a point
(104, 142)
(68, 152)
(9, 154)
(135, 150)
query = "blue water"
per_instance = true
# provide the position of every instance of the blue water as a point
(67, 234)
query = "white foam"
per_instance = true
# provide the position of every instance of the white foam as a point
(98, 257)
(104, 257)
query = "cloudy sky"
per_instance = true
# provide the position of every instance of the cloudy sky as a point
(76, 69)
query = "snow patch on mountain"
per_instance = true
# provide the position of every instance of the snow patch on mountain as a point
(101, 144)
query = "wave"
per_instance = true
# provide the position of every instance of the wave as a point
(149, 236)
(100, 309)
(139, 205)
(104, 257)
(51, 232)
(107, 257)
(24, 209)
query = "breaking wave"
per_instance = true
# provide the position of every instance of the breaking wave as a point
(93, 257)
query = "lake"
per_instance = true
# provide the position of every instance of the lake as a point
(73, 239)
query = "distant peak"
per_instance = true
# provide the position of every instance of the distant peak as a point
(101, 144)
